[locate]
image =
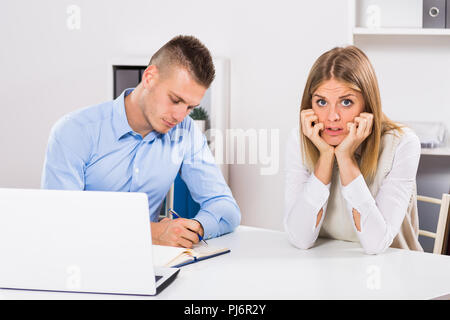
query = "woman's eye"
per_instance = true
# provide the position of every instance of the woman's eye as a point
(347, 102)
(321, 102)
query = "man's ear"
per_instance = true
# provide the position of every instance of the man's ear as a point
(150, 76)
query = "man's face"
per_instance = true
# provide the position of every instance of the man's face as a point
(168, 99)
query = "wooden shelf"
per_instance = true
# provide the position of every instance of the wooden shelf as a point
(401, 31)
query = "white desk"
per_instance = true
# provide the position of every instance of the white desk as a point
(264, 265)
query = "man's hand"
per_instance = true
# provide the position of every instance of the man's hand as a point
(176, 233)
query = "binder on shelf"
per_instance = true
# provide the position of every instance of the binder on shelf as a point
(434, 12)
(447, 16)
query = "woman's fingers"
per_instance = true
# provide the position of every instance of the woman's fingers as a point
(303, 114)
(361, 126)
(351, 126)
(307, 111)
(364, 122)
(369, 118)
(311, 128)
(307, 119)
(317, 128)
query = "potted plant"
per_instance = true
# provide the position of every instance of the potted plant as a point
(200, 117)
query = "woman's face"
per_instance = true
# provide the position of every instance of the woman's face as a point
(336, 104)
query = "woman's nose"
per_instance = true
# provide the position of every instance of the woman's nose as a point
(333, 115)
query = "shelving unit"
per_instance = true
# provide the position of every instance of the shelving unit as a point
(444, 151)
(412, 28)
(361, 34)
(400, 31)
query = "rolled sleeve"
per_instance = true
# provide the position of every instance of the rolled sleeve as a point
(220, 217)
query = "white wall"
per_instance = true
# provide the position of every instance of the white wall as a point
(413, 71)
(48, 70)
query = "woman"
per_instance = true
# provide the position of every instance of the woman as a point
(350, 170)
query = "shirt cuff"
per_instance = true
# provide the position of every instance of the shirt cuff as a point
(358, 194)
(209, 224)
(317, 192)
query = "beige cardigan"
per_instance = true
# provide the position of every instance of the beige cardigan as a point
(338, 223)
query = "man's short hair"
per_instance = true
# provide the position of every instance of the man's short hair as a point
(187, 52)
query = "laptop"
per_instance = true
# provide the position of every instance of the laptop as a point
(78, 241)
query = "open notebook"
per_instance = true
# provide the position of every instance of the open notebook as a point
(164, 256)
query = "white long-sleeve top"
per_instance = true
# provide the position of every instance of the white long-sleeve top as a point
(381, 217)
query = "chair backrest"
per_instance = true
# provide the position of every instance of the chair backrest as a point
(439, 236)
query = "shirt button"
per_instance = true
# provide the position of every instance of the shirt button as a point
(136, 170)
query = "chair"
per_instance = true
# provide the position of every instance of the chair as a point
(439, 236)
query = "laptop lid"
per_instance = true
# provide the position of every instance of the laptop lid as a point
(78, 241)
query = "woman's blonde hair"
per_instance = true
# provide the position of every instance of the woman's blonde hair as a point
(351, 66)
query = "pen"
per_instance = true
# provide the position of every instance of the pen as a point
(176, 215)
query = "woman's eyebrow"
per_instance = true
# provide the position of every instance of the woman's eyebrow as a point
(341, 97)
(347, 95)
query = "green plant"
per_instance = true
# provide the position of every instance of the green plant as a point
(199, 113)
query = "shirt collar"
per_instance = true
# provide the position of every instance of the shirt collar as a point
(122, 127)
(120, 121)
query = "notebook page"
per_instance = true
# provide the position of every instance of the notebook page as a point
(202, 250)
(162, 255)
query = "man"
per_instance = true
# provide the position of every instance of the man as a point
(141, 140)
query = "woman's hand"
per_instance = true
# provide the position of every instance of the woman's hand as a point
(311, 128)
(324, 167)
(359, 130)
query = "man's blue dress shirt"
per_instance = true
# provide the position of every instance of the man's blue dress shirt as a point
(95, 149)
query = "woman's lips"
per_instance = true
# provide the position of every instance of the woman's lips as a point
(334, 131)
